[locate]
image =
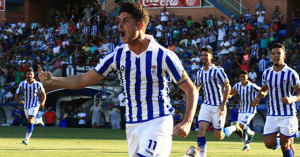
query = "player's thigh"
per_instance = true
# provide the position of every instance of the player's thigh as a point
(204, 114)
(288, 126)
(202, 128)
(33, 111)
(270, 140)
(26, 111)
(271, 125)
(156, 139)
(218, 121)
(245, 118)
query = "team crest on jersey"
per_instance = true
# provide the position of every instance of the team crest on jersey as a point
(122, 68)
(153, 69)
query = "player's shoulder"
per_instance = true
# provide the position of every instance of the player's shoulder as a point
(291, 69)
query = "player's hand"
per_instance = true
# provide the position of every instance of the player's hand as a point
(45, 77)
(21, 102)
(222, 109)
(42, 105)
(289, 100)
(254, 102)
(182, 129)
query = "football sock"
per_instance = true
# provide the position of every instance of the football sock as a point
(244, 139)
(202, 145)
(29, 131)
(248, 131)
(277, 143)
(227, 131)
(288, 153)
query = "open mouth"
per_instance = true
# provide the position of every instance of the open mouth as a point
(122, 33)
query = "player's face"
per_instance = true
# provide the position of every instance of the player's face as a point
(243, 78)
(127, 27)
(278, 56)
(206, 57)
(29, 75)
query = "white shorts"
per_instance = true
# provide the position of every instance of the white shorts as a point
(211, 114)
(285, 125)
(96, 120)
(31, 111)
(151, 138)
(245, 118)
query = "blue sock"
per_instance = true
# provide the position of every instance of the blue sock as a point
(246, 129)
(29, 128)
(202, 145)
(226, 132)
(288, 153)
(277, 143)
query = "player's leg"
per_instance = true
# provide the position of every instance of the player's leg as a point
(93, 123)
(244, 120)
(155, 137)
(218, 122)
(271, 130)
(31, 114)
(132, 138)
(204, 121)
(288, 130)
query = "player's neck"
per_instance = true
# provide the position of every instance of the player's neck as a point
(206, 67)
(30, 81)
(244, 83)
(278, 67)
(140, 44)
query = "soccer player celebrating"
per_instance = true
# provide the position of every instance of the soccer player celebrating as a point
(34, 98)
(144, 68)
(281, 82)
(213, 110)
(247, 91)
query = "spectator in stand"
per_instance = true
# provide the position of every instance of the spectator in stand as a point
(122, 100)
(114, 117)
(17, 116)
(252, 75)
(260, 17)
(234, 112)
(81, 116)
(277, 16)
(224, 47)
(19, 75)
(164, 15)
(296, 18)
(221, 34)
(50, 117)
(260, 5)
(63, 118)
(88, 12)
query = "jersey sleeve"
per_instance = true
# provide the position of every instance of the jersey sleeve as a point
(106, 64)
(235, 88)
(264, 81)
(222, 77)
(20, 89)
(256, 88)
(40, 88)
(175, 69)
(295, 79)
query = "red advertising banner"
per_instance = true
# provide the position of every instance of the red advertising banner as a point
(2, 5)
(170, 3)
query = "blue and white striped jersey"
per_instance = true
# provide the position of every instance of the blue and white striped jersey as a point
(280, 84)
(145, 79)
(212, 82)
(262, 64)
(30, 93)
(247, 94)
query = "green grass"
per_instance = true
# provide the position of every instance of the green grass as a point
(57, 142)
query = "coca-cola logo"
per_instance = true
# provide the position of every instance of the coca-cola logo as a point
(157, 3)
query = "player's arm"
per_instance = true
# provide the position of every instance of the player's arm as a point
(71, 82)
(222, 107)
(42, 97)
(182, 129)
(295, 98)
(232, 93)
(262, 93)
(21, 102)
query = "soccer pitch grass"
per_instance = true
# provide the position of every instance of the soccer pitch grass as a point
(57, 142)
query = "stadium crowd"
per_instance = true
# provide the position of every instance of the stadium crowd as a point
(74, 37)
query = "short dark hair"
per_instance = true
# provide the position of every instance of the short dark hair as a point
(206, 49)
(138, 12)
(244, 72)
(278, 45)
(30, 70)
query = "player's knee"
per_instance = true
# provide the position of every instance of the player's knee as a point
(241, 125)
(219, 136)
(269, 144)
(284, 145)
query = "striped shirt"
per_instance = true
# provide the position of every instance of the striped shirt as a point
(94, 30)
(30, 93)
(247, 94)
(212, 82)
(262, 65)
(254, 49)
(280, 84)
(145, 79)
